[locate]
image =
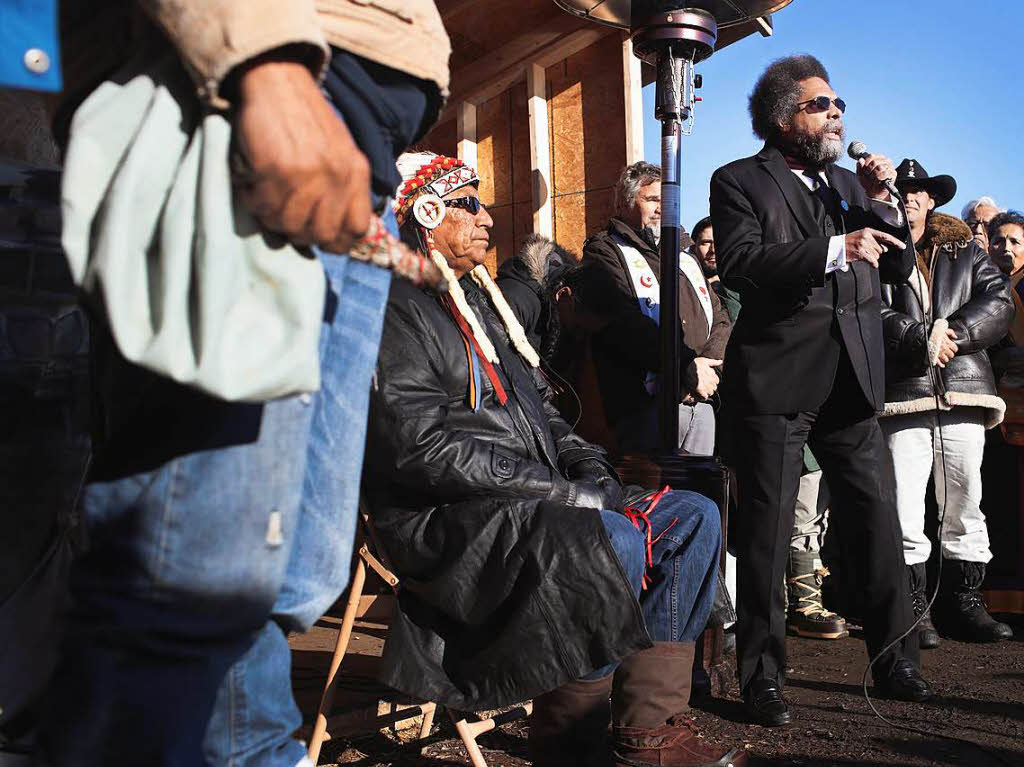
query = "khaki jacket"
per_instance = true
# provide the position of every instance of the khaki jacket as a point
(214, 36)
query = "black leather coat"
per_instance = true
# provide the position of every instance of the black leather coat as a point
(507, 590)
(966, 292)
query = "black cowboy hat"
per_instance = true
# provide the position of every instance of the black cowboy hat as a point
(910, 174)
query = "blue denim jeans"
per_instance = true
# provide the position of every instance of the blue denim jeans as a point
(198, 568)
(686, 530)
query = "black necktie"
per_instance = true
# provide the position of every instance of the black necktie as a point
(832, 222)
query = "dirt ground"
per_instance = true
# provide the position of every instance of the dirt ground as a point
(979, 696)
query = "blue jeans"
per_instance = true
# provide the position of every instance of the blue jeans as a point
(198, 567)
(687, 532)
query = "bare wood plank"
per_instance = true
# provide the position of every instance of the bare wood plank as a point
(466, 133)
(540, 152)
(632, 87)
(490, 79)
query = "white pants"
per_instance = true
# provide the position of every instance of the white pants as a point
(810, 518)
(917, 454)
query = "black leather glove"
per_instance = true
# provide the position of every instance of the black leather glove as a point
(633, 494)
(595, 473)
(591, 495)
(589, 470)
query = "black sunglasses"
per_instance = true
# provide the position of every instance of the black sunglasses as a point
(822, 103)
(470, 204)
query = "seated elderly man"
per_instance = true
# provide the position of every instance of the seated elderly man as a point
(528, 571)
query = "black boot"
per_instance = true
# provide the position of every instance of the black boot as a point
(963, 608)
(806, 616)
(926, 633)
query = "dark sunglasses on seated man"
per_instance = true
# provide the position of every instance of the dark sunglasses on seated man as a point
(822, 103)
(471, 204)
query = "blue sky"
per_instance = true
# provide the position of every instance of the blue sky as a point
(940, 81)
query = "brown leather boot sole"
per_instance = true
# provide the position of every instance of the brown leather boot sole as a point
(678, 744)
(816, 633)
(834, 628)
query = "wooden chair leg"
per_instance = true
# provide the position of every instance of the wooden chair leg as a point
(428, 720)
(465, 731)
(320, 733)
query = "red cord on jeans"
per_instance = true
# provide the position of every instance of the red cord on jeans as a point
(635, 515)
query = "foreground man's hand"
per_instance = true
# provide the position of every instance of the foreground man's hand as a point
(869, 244)
(307, 179)
(707, 376)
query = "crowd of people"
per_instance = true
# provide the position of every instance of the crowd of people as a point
(842, 346)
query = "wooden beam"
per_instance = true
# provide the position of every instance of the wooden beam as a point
(540, 152)
(465, 132)
(469, 79)
(499, 71)
(765, 26)
(632, 89)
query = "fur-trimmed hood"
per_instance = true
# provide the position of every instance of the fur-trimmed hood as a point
(945, 232)
(545, 259)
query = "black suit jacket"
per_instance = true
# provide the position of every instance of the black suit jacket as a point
(771, 247)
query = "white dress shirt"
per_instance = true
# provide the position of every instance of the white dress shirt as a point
(887, 210)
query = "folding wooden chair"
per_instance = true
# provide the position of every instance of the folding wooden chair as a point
(370, 554)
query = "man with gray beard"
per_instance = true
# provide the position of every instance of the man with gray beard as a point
(806, 244)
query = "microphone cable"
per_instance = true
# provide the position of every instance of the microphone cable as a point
(942, 522)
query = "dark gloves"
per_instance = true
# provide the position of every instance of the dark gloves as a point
(589, 470)
(595, 484)
(590, 495)
(633, 495)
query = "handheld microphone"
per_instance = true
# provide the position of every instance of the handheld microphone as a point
(858, 151)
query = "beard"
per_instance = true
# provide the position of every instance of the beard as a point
(651, 234)
(814, 149)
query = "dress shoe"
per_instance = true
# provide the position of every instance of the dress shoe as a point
(904, 682)
(766, 705)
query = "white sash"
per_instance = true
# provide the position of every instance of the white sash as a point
(645, 282)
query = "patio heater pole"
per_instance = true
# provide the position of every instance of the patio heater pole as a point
(673, 41)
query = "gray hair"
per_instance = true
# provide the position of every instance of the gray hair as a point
(633, 177)
(986, 200)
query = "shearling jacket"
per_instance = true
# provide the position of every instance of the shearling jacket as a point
(508, 590)
(215, 36)
(955, 286)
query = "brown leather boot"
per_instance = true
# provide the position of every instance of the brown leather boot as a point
(649, 701)
(569, 726)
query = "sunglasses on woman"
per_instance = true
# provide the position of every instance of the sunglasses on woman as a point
(822, 103)
(470, 204)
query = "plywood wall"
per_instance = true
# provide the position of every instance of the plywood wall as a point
(588, 138)
(586, 118)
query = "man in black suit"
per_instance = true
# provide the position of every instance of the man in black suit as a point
(806, 244)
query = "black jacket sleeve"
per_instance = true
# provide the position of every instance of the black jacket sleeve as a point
(906, 339)
(744, 259)
(985, 318)
(525, 304)
(895, 266)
